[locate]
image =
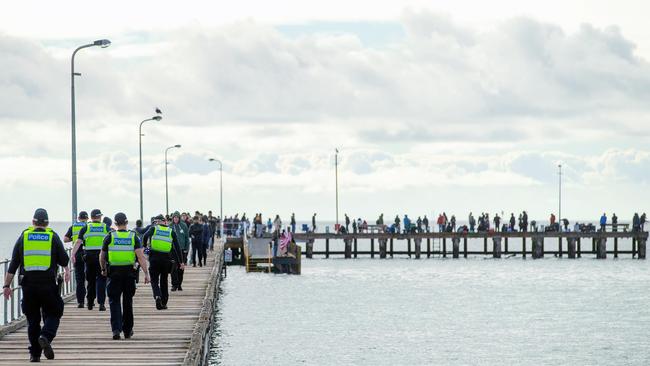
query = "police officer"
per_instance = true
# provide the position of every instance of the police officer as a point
(38, 251)
(92, 237)
(118, 256)
(79, 270)
(164, 252)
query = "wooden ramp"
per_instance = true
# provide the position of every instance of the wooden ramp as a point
(161, 337)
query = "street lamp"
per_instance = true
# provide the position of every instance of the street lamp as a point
(103, 43)
(559, 213)
(220, 186)
(154, 118)
(336, 177)
(166, 184)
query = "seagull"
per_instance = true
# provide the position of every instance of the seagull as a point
(158, 111)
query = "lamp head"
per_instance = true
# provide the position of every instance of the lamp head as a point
(211, 159)
(177, 146)
(156, 118)
(103, 43)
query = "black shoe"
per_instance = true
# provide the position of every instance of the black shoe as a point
(164, 307)
(159, 304)
(90, 306)
(180, 288)
(128, 334)
(194, 265)
(174, 289)
(34, 358)
(47, 348)
(81, 305)
(102, 307)
(116, 336)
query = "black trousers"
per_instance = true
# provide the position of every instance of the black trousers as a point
(200, 249)
(80, 277)
(96, 282)
(177, 272)
(121, 289)
(159, 269)
(45, 300)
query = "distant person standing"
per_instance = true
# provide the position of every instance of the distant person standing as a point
(603, 222)
(92, 237)
(642, 221)
(293, 223)
(79, 266)
(38, 252)
(207, 235)
(212, 221)
(347, 223)
(120, 250)
(313, 223)
(425, 222)
(614, 222)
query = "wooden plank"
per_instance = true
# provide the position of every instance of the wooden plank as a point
(161, 337)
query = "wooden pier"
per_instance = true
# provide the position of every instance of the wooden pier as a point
(177, 336)
(497, 244)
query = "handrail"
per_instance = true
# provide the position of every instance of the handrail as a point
(12, 311)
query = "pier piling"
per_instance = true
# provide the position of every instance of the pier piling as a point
(455, 242)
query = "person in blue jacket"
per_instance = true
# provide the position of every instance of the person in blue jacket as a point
(603, 222)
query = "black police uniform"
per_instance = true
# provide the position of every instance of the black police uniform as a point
(160, 265)
(79, 271)
(121, 289)
(40, 293)
(96, 282)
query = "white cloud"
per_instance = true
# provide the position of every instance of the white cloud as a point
(450, 108)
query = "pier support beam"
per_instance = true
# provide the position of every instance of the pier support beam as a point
(355, 247)
(523, 247)
(538, 247)
(485, 245)
(382, 248)
(465, 246)
(506, 244)
(372, 248)
(327, 248)
(571, 247)
(428, 247)
(418, 247)
(641, 244)
(455, 242)
(579, 249)
(348, 248)
(559, 246)
(615, 247)
(408, 246)
(310, 248)
(444, 247)
(601, 248)
(496, 247)
(391, 247)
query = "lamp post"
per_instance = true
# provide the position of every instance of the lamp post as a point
(155, 118)
(336, 178)
(103, 43)
(166, 184)
(220, 191)
(559, 213)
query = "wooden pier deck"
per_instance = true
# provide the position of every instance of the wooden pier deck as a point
(177, 336)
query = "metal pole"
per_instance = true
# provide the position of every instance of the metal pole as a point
(166, 185)
(102, 43)
(336, 175)
(221, 190)
(156, 118)
(559, 214)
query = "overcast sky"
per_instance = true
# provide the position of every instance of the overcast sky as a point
(438, 105)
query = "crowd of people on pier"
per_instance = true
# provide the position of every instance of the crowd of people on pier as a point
(107, 259)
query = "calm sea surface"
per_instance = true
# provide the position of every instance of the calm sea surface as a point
(438, 312)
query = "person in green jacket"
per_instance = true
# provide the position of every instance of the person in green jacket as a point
(183, 236)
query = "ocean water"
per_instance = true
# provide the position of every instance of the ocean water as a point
(400, 311)
(10, 231)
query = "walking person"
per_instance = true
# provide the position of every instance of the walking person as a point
(38, 252)
(164, 249)
(117, 258)
(92, 237)
(183, 236)
(196, 235)
(313, 223)
(79, 267)
(206, 237)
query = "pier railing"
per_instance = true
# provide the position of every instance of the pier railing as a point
(12, 311)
